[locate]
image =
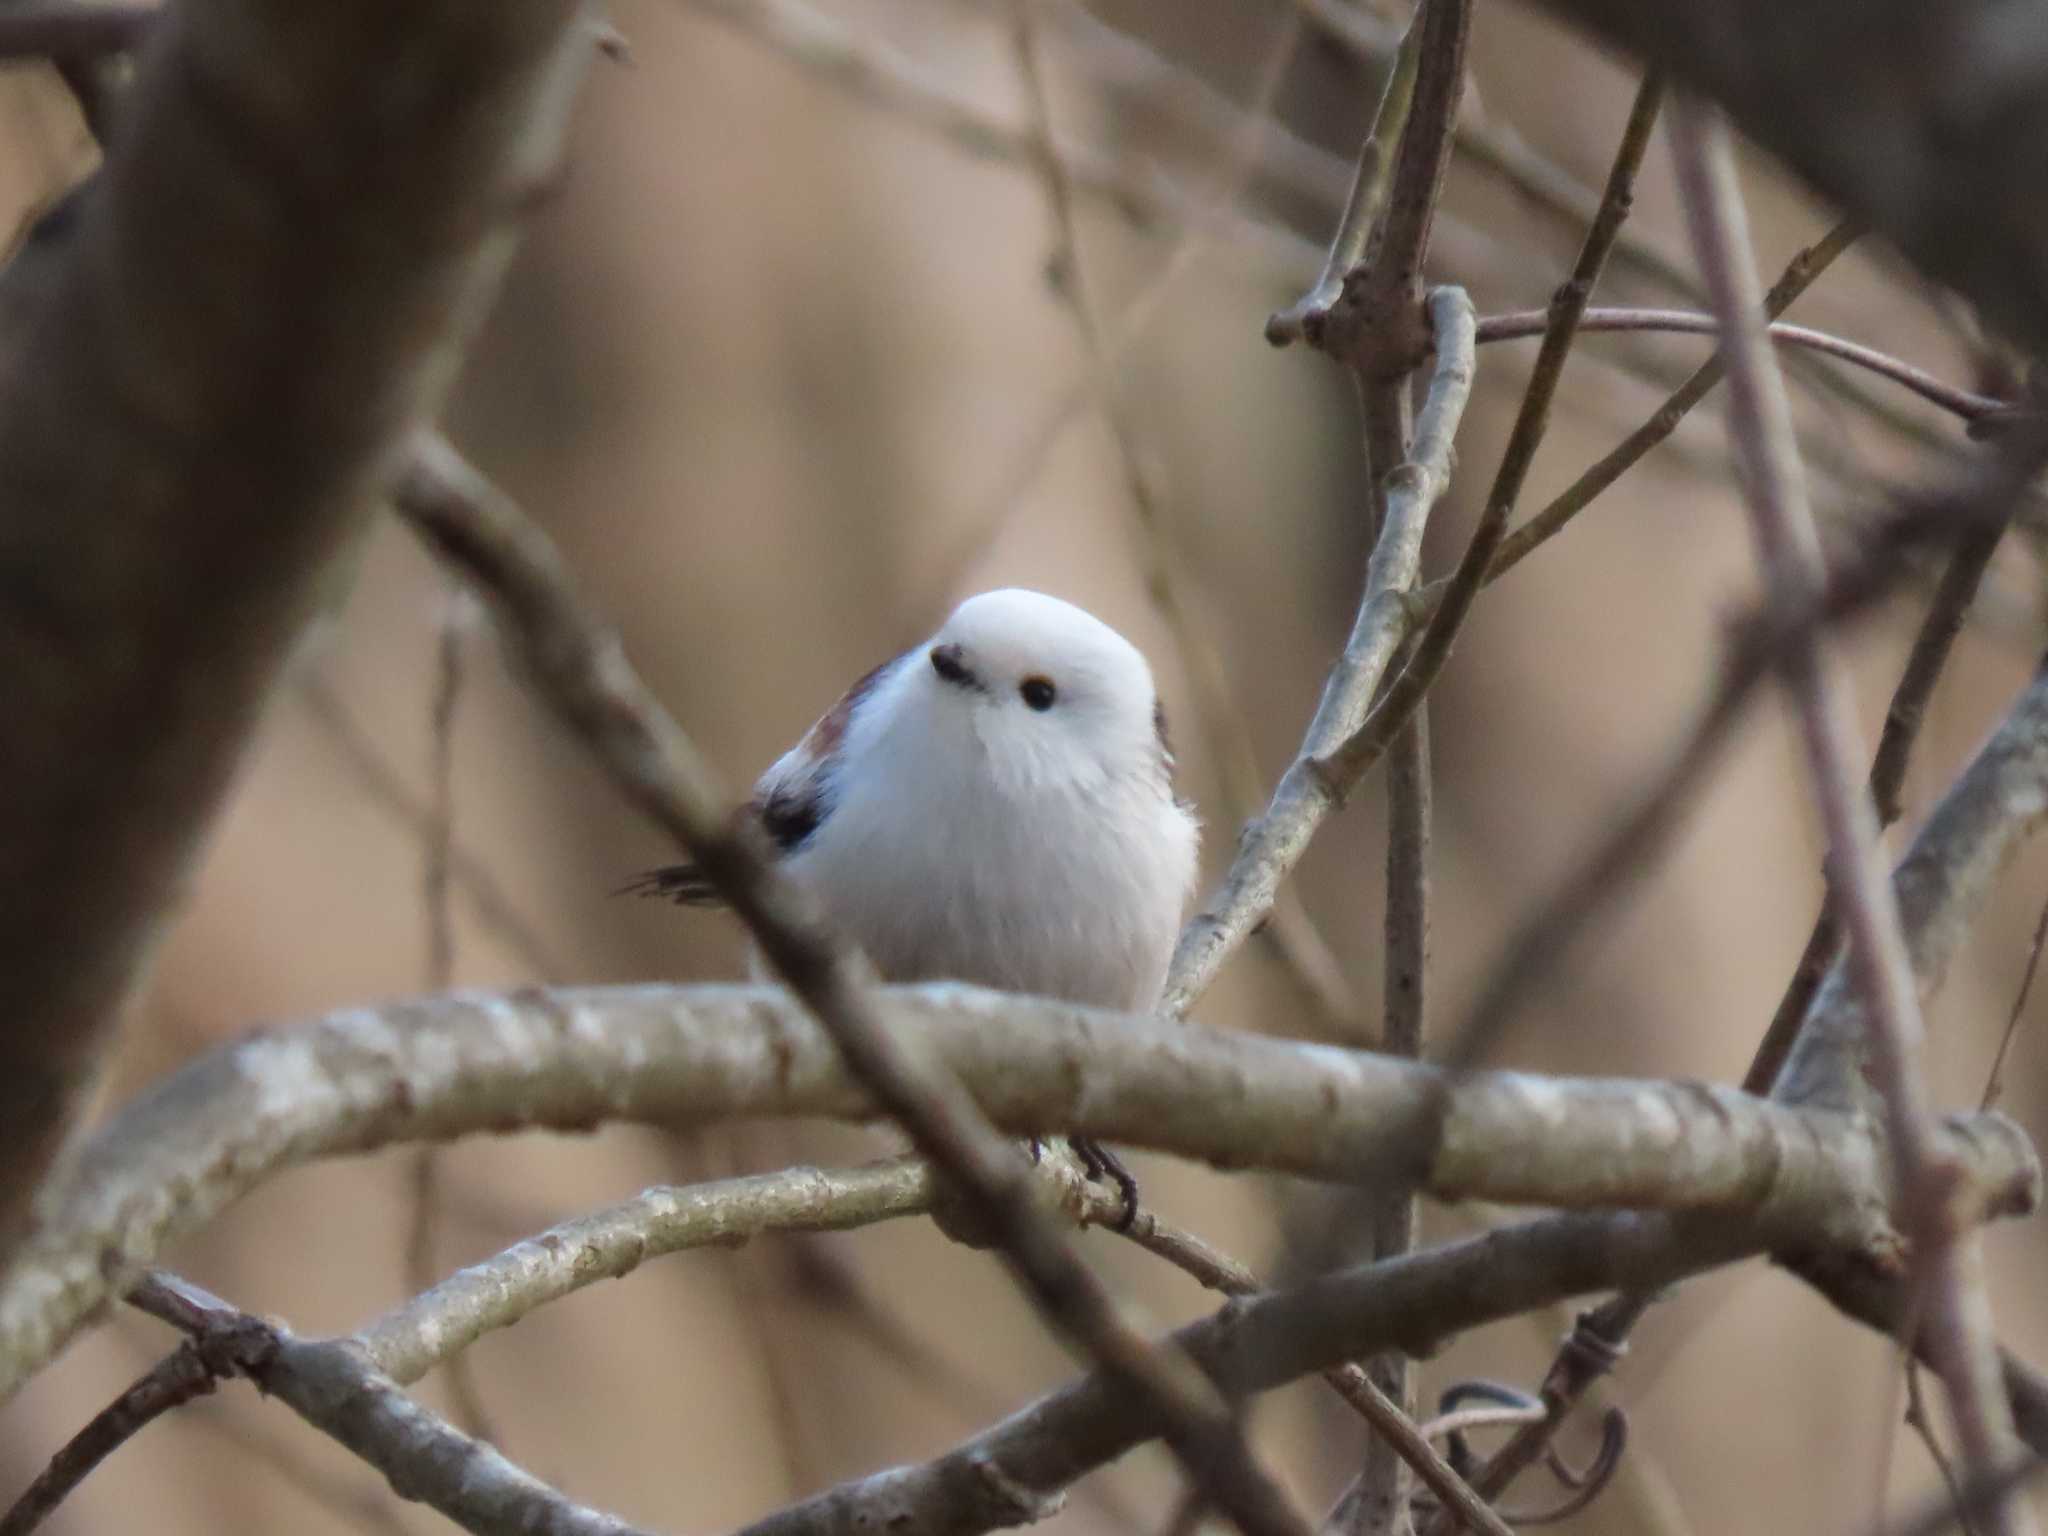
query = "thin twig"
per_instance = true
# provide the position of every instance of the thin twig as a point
(1394, 199)
(437, 1325)
(1218, 1271)
(1789, 552)
(576, 662)
(1367, 197)
(1376, 325)
(1923, 1426)
(1963, 403)
(1300, 946)
(1759, 645)
(1379, 1504)
(1976, 520)
(184, 1374)
(1270, 847)
(384, 786)
(1994, 1084)
(1977, 539)
(1600, 1336)
(334, 1388)
(1798, 276)
(1342, 767)
(437, 847)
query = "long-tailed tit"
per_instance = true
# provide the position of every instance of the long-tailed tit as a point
(993, 806)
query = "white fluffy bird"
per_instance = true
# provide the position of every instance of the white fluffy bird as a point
(993, 806)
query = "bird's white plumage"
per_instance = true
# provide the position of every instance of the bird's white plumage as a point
(956, 831)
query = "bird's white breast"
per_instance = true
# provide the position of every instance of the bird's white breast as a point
(940, 866)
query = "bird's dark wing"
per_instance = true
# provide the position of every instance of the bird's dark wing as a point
(789, 802)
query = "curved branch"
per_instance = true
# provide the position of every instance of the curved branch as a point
(411, 1339)
(1007, 1473)
(437, 1068)
(208, 355)
(1522, 324)
(329, 1384)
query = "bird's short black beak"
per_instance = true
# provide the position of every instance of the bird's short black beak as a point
(950, 662)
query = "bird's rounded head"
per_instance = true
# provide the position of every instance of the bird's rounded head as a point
(1047, 688)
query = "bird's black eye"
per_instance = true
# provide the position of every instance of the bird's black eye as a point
(947, 663)
(1038, 692)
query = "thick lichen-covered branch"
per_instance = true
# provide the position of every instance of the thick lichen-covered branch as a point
(568, 1060)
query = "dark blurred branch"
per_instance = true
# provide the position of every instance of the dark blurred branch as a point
(1945, 1266)
(1919, 118)
(209, 357)
(1975, 544)
(1757, 648)
(575, 662)
(73, 30)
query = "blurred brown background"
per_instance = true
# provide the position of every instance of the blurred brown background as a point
(783, 369)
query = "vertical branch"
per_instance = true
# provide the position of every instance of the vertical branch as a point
(437, 850)
(1957, 1321)
(1362, 205)
(1370, 316)
(1380, 1499)
(1343, 768)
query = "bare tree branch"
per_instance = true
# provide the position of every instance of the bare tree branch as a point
(1876, 963)
(177, 1379)
(1003, 1475)
(1964, 403)
(1968, 838)
(209, 361)
(437, 1325)
(385, 787)
(577, 664)
(431, 1069)
(329, 1384)
(1343, 766)
(1270, 847)
(1550, 520)
(1219, 1272)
